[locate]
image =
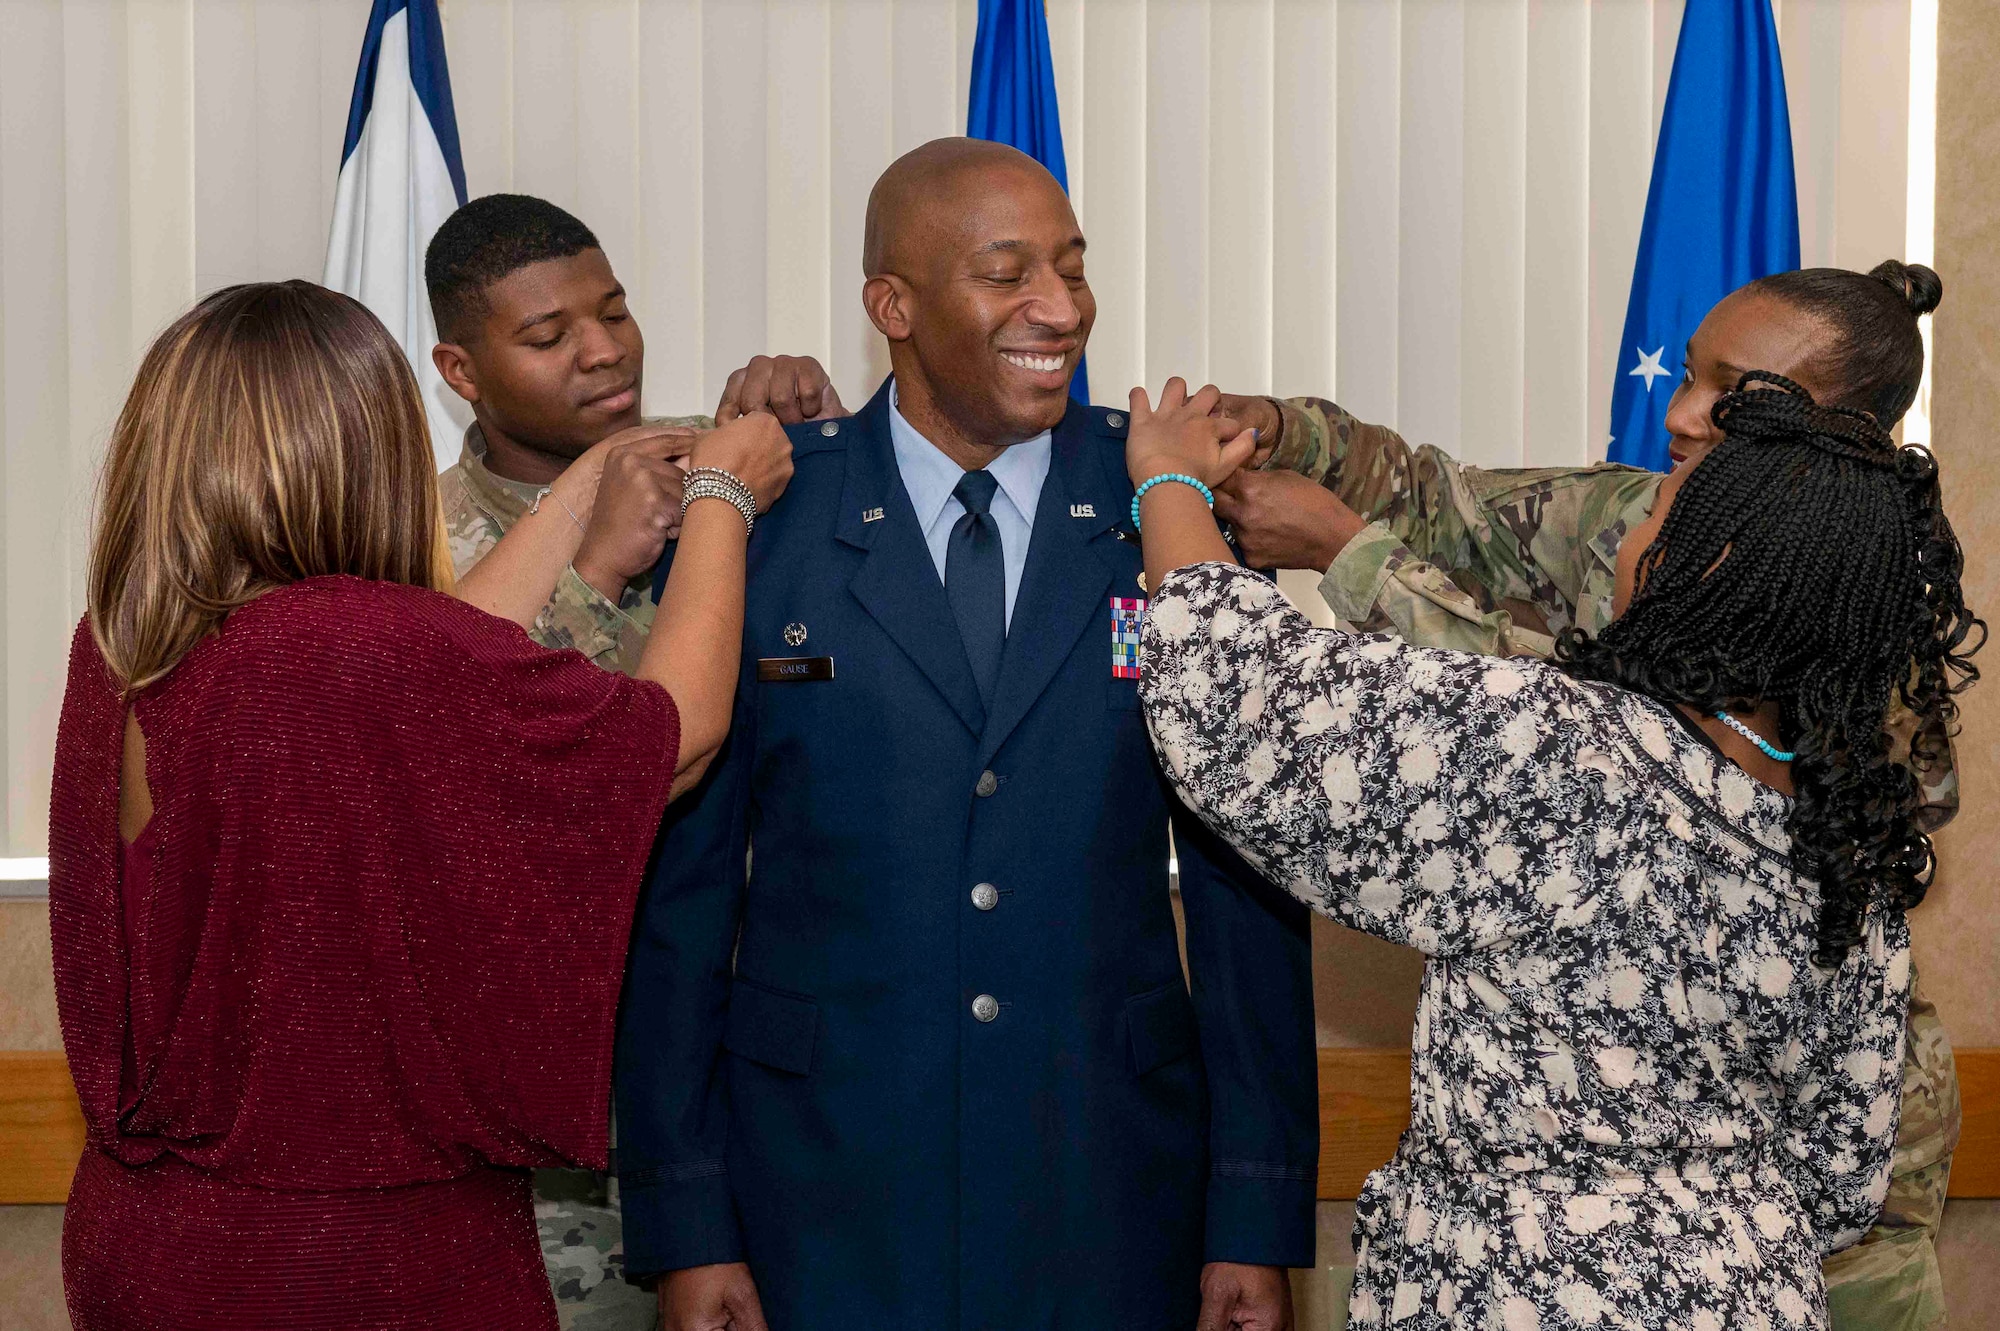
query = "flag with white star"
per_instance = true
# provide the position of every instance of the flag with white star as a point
(1722, 209)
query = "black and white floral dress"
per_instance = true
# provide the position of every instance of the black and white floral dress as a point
(1635, 1101)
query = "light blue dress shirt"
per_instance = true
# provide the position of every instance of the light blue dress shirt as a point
(929, 477)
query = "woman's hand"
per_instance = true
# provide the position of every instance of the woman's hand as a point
(1180, 436)
(1183, 435)
(755, 450)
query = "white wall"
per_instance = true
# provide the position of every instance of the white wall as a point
(1467, 175)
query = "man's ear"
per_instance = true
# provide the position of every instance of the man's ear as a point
(454, 364)
(890, 304)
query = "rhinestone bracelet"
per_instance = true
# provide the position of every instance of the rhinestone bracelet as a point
(737, 489)
(715, 483)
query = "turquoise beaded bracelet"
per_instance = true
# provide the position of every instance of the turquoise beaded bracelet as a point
(1181, 476)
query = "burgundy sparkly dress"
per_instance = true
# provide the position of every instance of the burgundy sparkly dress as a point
(358, 973)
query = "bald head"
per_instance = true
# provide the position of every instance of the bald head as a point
(975, 275)
(913, 206)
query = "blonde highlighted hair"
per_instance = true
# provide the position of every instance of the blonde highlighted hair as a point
(273, 433)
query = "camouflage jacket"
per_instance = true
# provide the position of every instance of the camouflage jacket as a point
(1496, 561)
(1500, 562)
(479, 507)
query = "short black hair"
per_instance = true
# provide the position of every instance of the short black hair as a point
(1877, 354)
(482, 243)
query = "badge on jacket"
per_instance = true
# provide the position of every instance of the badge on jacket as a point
(793, 669)
(1128, 616)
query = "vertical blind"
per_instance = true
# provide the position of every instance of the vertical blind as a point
(1427, 209)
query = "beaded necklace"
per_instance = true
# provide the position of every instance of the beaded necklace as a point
(1771, 751)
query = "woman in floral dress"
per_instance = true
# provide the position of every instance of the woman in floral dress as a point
(1660, 884)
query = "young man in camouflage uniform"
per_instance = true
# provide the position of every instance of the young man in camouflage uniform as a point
(536, 336)
(1415, 543)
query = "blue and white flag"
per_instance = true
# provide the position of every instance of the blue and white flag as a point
(1013, 97)
(1722, 209)
(400, 177)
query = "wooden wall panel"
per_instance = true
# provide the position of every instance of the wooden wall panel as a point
(1957, 941)
(41, 1128)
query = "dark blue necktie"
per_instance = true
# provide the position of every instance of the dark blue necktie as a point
(975, 580)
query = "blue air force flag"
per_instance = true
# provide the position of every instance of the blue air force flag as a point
(400, 177)
(1722, 209)
(1013, 97)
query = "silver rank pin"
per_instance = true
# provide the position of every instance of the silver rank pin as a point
(795, 635)
(1082, 511)
(871, 515)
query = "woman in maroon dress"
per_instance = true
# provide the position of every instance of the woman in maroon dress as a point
(342, 868)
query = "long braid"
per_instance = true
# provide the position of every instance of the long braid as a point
(1808, 561)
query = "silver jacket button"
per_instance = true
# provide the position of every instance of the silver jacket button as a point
(987, 784)
(830, 429)
(1113, 419)
(985, 896)
(985, 1007)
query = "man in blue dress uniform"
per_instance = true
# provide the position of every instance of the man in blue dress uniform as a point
(931, 1061)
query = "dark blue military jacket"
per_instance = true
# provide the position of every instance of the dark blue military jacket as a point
(931, 1062)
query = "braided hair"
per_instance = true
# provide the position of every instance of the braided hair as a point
(1807, 560)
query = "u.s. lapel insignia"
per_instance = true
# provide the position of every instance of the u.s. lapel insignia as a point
(871, 515)
(1082, 511)
(795, 635)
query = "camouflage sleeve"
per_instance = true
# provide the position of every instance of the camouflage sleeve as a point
(1421, 492)
(1424, 495)
(581, 617)
(1426, 512)
(1379, 585)
(1305, 437)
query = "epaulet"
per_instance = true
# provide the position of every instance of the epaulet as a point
(1106, 421)
(819, 436)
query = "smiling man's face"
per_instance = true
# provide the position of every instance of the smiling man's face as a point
(558, 361)
(1000, 310)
